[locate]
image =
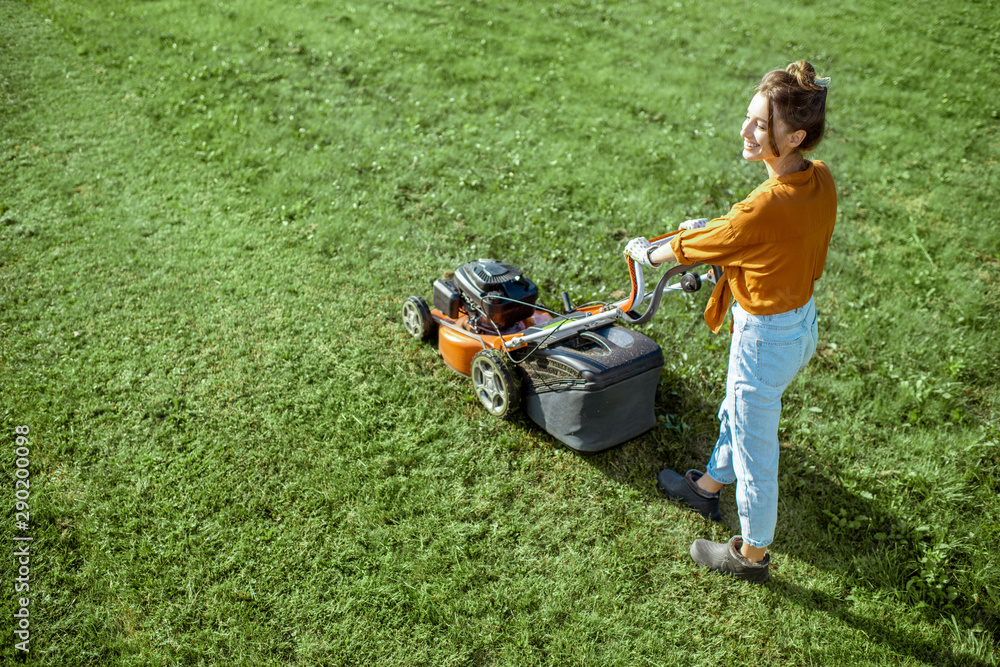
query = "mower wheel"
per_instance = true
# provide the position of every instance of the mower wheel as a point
(496, 383)
(417, 318)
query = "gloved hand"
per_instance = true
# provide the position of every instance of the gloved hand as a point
(693, 224)
(639, 249)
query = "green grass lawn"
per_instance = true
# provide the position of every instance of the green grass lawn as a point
(211, 212)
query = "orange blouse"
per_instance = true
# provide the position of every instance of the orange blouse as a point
(772, 244)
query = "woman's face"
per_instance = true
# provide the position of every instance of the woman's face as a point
(756, 142)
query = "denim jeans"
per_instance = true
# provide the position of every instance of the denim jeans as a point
(765, 354)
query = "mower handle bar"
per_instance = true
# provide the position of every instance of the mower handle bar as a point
(661, 287)
(621, 309)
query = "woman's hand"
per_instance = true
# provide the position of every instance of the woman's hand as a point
(693, 224)
(639, 249)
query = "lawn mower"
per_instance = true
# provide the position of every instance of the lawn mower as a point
(582, 377)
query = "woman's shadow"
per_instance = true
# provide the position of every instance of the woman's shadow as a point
(815, 509)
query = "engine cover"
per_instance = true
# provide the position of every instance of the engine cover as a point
(494, 289)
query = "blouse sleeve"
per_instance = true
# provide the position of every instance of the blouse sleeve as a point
(731, 239)
(717, 243)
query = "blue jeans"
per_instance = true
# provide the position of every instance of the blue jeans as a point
(765, 354)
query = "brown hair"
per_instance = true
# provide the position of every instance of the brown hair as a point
(798, 99)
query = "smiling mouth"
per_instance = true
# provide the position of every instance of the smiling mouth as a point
(749, 145)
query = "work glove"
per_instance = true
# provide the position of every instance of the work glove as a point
(693, 224)
(639, 249)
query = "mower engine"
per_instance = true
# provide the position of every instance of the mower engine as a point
(494, 295)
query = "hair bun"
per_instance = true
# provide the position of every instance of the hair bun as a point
(804, 74)
(796, 97)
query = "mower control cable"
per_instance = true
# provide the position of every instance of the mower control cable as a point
(613, 311)
(540, 344)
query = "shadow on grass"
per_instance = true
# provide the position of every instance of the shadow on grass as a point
(877, 630)
(832, 528)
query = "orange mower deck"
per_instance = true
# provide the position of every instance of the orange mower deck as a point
(457, 345)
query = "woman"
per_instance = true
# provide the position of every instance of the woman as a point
(773, 246)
